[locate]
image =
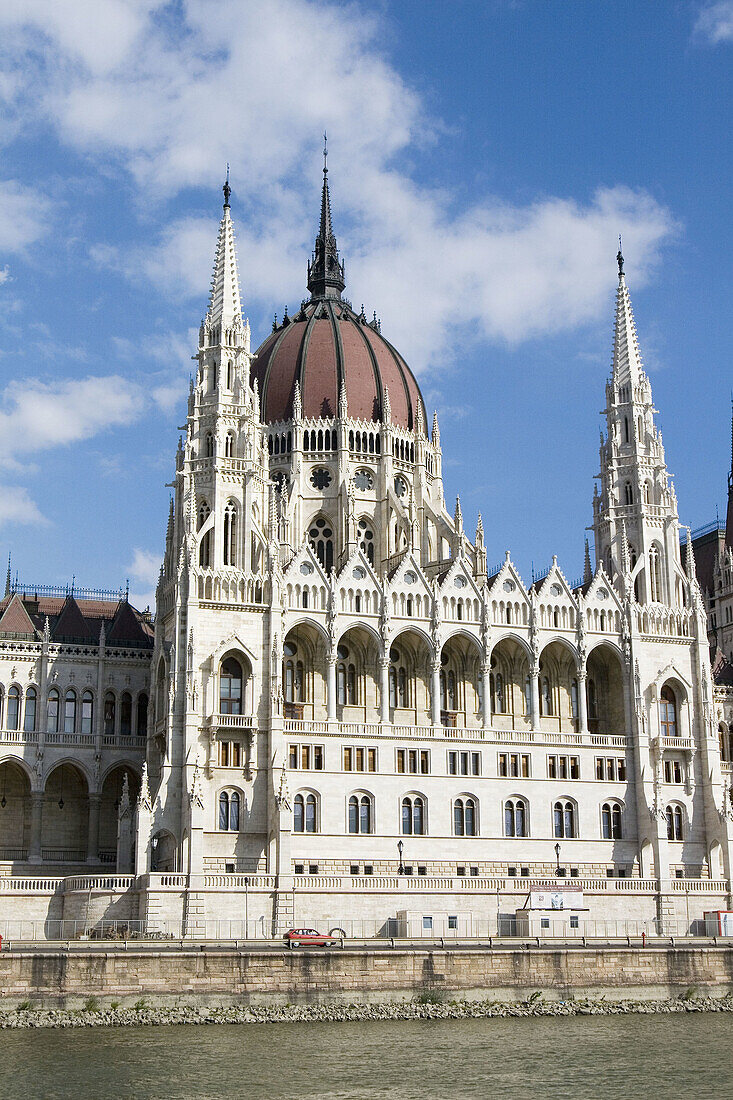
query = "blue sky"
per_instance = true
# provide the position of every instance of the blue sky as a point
(484, 157)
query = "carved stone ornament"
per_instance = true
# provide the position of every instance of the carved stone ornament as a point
(283, 794)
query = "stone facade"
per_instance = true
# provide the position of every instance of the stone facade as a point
(341, 689)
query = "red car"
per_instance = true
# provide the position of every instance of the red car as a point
(309, 937)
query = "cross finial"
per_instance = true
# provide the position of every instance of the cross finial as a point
(325, 153)
(226, 188)
(620, 257)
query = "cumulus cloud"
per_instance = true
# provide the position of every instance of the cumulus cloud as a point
(715, 22)
(172, 94)
(144, 569)
(16, 506)
(24, 217)
(37, 415)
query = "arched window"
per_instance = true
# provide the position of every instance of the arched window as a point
(52, 711)
(360, 814)
(590, 691)
(448, 690)
(413, 816)
(230, 375)
(346, 679)
(675, 822)
(628, 493)
(611, 821)
(209, 445)
(321, 539)
(230, 687)
(668, 712)
(126, 714)
(563, 814)
(546, 697)
(293, 674)
(515, 817)
(142, 715)
(109, 714)
(31, 699)
(365, 535)
(304, 814)
(464, 817)
(70, 711)
(14, 708)
(574, 698)
(229, 811)
(230, 534)
(229, 445)
(499, 694)
(655, 575)
(87, 712)
(392, 686)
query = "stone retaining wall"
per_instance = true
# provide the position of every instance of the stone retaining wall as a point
(167, 976)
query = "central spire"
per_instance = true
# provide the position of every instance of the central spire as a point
(325, 271)
(225, 305)
(627, 364)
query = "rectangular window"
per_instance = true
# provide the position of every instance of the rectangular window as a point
(424, 762)
(574, 767)
(360, 760)
(224, 754)
(318, 757)
(299, 869)
(412, 761)
(312, 868)
(562, 767)
(460, 871)
(427, 924)
(354, 869)
(452, 923)
(611, 768)
(464, 763)
(372, 760)
(293, 756)
(600, 768)
(544, 922)
(421, 869)
(305, 757)
(503, 765)
(525, 765)
(368, 869)
(348, 757)
(514, 765)
(401, 761)
(552, 767)
(475, 763)
(512, 872)
(621, 769)
(574, 921)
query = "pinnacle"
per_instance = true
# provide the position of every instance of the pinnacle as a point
(225, 306)
(627, 362)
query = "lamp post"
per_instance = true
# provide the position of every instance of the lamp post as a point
(246, 905)
(557, 857)
(401, 868)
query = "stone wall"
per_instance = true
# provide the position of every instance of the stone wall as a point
(312, 975)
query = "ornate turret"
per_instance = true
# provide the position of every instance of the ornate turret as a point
(325, 271)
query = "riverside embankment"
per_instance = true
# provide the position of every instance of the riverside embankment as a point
(205, 976)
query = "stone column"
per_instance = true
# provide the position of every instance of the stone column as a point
(331, 687)
(34, 847)
(582, 703)
(486, 695)
(534, 696)
(435, 693)
(93, 834)
(384, 690)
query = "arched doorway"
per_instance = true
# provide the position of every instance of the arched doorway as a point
(15, 811)
(357, 676)
(604, 687)
(65, 823)
(509, 685)
(409, 679)
(460, 682)
(163, 852)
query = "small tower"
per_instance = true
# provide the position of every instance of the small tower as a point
(636, 493)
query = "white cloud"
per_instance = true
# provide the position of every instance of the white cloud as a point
(16, 506)
(24, 216)
(144, 569)
(37, 415)
(172, 96)
(715, 22)
(4, 275)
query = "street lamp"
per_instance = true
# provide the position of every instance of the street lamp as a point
(246, 905)
(401, 868)
(557, 857)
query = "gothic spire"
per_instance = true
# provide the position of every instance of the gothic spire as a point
(225, 306)
(627, 364)
(325, 271)
(729, 514)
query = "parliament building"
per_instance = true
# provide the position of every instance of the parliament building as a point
(339, 714)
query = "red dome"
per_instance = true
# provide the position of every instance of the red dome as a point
(327, 346)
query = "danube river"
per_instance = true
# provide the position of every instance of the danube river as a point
(653, 1057)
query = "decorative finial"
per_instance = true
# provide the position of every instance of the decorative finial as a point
(325, 153)
(226, 189)
(620, 258)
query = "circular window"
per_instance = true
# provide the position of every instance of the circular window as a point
(460, 582)
(556, 590)
(400, 486)
(290, 649)
(410, 577)
(509, 586)
(342, 652)
(602, 594)
(394, 654)
(320, 529)
(363, 480)
(359, 573)
(306, 568)
(320, 478)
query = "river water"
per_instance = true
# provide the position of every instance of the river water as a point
(652, 1057)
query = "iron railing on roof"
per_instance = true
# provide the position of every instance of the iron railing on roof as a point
(708, 529)
(61, 591)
